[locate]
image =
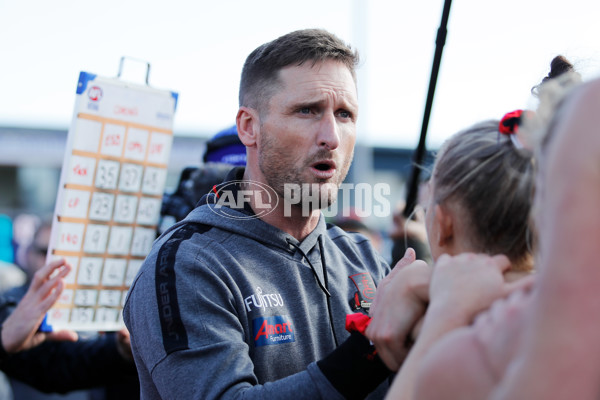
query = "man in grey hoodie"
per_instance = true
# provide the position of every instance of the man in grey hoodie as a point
(247, 297)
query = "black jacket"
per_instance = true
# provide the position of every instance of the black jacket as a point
(66, 366)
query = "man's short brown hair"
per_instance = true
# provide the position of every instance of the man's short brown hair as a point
(260, 75)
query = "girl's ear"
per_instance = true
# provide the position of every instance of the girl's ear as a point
(445, 232)
(247, 125)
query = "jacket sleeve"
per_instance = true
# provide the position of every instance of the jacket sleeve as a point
(65, 366)
(215, 362)
(345, 374)
(208, 359)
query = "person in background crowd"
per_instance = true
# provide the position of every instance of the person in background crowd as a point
(223, 152)
(33, 257)
(26, 370)
(10, 274)
(353, 223)
(56, 361)
(225, 147)
(411, 232)
(19, 327)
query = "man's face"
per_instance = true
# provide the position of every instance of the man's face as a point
(308, 132)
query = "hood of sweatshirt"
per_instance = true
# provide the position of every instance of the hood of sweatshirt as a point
(243, 221)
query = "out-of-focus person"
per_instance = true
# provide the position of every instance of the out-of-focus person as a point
(223, 152)
(26, 370)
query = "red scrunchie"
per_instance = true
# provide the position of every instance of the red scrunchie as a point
(509, 124)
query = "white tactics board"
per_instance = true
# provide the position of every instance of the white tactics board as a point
(109, 199)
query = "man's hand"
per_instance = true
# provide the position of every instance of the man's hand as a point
(19, 330)
(400, 302)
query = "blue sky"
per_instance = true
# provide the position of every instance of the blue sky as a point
(495, 52)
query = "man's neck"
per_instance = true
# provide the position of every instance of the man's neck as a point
(289, 219)
(292, 221)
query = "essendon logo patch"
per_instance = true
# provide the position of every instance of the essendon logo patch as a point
(272, 330)
(366, 291)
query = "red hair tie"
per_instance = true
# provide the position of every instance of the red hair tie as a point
(509, 124)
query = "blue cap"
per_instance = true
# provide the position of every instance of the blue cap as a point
(226, 147)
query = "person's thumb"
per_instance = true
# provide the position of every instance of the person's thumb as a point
(502, 262)
(408, 258)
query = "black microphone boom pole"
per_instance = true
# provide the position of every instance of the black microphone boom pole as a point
(440, 40)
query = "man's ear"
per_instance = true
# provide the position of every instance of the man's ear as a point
(247, 121)
(445, 222)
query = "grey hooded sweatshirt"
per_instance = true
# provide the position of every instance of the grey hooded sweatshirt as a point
(228, 306)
